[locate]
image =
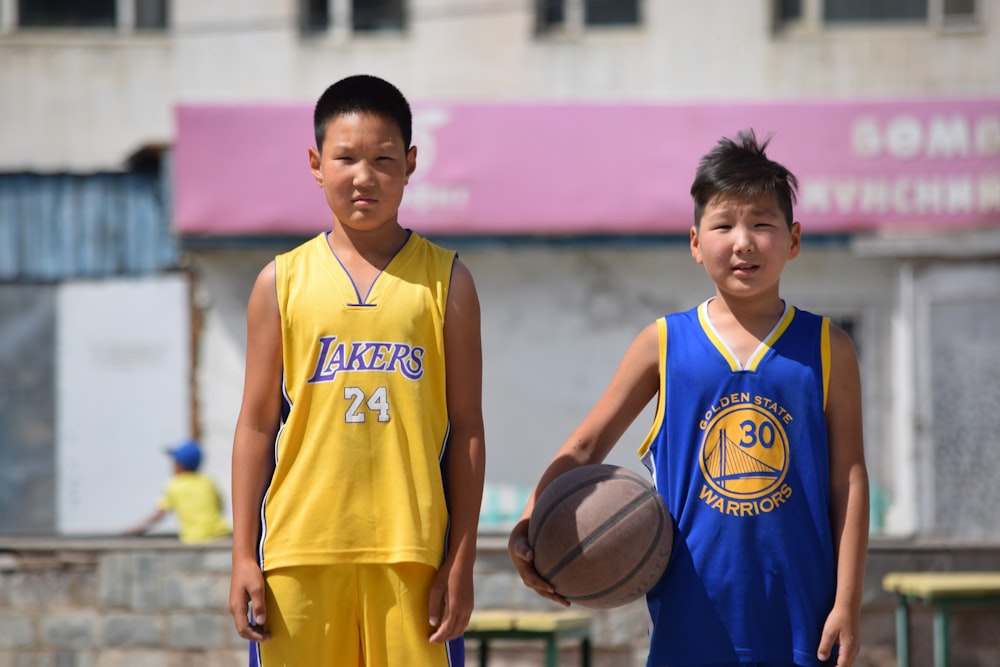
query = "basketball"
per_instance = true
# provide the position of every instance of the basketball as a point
(601, 535)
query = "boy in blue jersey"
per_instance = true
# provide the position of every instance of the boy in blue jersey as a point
(756, 446)
(359, 454)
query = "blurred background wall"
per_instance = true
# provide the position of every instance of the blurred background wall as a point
(91, 93)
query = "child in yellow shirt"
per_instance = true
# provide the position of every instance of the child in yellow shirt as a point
(192, 497)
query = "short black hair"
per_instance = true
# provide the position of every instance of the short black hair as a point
(362, 93)
(742, 168)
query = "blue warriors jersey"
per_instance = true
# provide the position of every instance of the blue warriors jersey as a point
(358, 475)
(740, 455)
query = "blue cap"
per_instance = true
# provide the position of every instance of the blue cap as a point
(187, 454)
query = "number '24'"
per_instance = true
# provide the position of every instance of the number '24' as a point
(378, 402)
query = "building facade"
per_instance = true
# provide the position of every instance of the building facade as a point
(557, 140)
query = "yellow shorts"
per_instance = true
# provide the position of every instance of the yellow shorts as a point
(371, 615)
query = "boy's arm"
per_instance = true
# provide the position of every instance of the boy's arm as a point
(451, 596)
(253, 451)
(848, 499)
(149, 522)
(634, 384)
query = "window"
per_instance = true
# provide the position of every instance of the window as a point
(551, 15)
(314, 15)
(150, 14)
(376, 15)
(611, 12)
(142, 14)
(833, 12)
(787, 10)
(66, 13)
(958, 12)
(363, 16)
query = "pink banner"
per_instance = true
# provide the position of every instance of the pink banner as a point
(602, 169)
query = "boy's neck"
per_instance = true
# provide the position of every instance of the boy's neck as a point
(744, 325)
(752, 314)
(376, 246)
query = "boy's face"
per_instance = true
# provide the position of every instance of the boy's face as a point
(744, 244)
(362, 168)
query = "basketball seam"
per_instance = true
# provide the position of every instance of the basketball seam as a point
(603, 528)
(583, 485)
(631, 573)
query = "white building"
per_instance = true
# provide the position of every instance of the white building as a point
(892, 121)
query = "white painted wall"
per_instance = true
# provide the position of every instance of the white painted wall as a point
(78, 101)
(223, 284)
(123, 360)
(556, 320)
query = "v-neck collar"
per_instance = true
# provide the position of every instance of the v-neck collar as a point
(364, 301)
(727, 352)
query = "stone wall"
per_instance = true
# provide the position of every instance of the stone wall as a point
(143, 602)
(152, 602)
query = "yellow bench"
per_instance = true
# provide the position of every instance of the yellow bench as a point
(550, 626)
(942, 591)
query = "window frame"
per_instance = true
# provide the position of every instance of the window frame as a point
(340, 24)
(574, 23)
(125, 20)
(810, 19)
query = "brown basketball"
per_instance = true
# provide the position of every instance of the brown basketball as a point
(601, 535)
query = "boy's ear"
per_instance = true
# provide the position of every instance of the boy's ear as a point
(411, 162)
(695, 246)
(796, 241)
(315, 162)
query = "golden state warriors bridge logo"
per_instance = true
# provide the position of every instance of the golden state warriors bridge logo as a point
(744, 456)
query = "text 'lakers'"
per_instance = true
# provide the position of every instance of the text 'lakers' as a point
(360, 356)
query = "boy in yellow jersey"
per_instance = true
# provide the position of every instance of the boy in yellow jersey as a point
(192, 497)
(359, 455)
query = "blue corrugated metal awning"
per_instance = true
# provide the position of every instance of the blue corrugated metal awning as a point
(64, 226)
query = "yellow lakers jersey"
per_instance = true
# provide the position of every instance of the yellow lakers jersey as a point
(358, 474)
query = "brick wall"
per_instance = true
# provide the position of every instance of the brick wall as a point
(144, 602)
(152, 602)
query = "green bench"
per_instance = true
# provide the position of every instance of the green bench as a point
(548, 626)
(942, 591)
